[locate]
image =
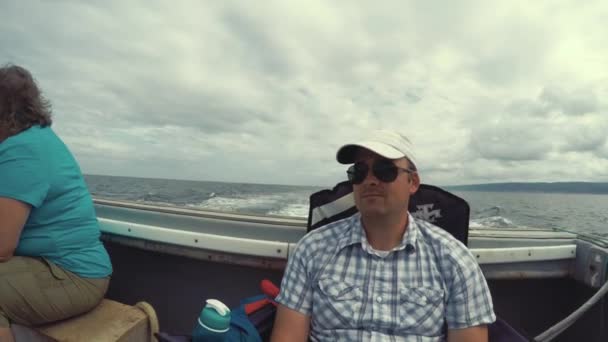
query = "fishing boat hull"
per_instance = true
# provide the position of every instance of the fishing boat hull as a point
(176, 258)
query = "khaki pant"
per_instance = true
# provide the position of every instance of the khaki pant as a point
(35, 291)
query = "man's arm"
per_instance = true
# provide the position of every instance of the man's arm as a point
(290, 325)
(13, 215)
(473, 334)
(292, 321)
(469, 304)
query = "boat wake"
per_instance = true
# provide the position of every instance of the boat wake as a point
(262, 204)
(492, 222)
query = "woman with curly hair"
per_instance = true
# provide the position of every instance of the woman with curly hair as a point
(52, 263)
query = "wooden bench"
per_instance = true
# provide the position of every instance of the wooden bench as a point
(110, 321)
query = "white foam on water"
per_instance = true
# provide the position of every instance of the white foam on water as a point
(237, 204)
(295, 209)
(491, 222)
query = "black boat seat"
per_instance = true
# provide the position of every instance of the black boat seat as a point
(110, 321)
(429, 203)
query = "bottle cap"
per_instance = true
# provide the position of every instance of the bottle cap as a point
(215, 316)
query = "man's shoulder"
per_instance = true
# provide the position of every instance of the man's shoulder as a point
(325, 236)
(435, 234)
(442, 240)
(453, 257)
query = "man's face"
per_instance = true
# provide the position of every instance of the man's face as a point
(374, 197)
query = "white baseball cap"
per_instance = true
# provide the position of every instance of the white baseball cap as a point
(388, 144)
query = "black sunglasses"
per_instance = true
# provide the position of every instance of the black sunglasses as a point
(384, 170)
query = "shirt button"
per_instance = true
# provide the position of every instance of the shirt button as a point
(379, 299)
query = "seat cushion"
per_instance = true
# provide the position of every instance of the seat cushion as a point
(109, 321)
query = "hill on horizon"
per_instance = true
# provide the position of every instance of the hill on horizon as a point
(555, 187)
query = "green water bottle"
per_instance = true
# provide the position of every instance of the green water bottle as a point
(213, 323)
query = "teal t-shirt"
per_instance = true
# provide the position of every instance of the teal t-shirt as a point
(37, 168)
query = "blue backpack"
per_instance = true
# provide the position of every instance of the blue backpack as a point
(255, 327)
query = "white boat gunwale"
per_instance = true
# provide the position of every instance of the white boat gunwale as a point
(206, 213)
(203, 235)
(282, 249)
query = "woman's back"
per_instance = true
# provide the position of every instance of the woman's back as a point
(62, 226)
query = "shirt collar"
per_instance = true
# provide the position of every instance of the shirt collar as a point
(356, 235)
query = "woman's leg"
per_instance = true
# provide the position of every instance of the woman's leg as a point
(35, 291)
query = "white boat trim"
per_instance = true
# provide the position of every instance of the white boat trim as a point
(524, 254)
(296, 222)
(282, 249)
(268, 241)
(212, 242)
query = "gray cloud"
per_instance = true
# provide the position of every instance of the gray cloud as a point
(570, 103)
(602, 151)
(525, 108)
(259, 47)
(529, 128)
(267, 92)
(586, 135)
(511, 141)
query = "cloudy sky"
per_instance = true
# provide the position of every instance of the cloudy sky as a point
(266, 91)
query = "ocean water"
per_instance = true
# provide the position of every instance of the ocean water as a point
(575, 212)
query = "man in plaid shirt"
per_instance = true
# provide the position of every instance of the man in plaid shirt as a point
(382, 275)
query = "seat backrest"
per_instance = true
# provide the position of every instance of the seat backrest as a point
(429, 203)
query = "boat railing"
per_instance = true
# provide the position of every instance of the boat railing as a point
(264, 240)
(282, 249)
(206, 213)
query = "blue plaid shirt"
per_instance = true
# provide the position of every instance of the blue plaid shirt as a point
(355, 293)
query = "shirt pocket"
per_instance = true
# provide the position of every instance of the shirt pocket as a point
(421, 309)
(338, 305)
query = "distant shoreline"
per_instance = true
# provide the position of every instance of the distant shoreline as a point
(546, 187)
(540, 187)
